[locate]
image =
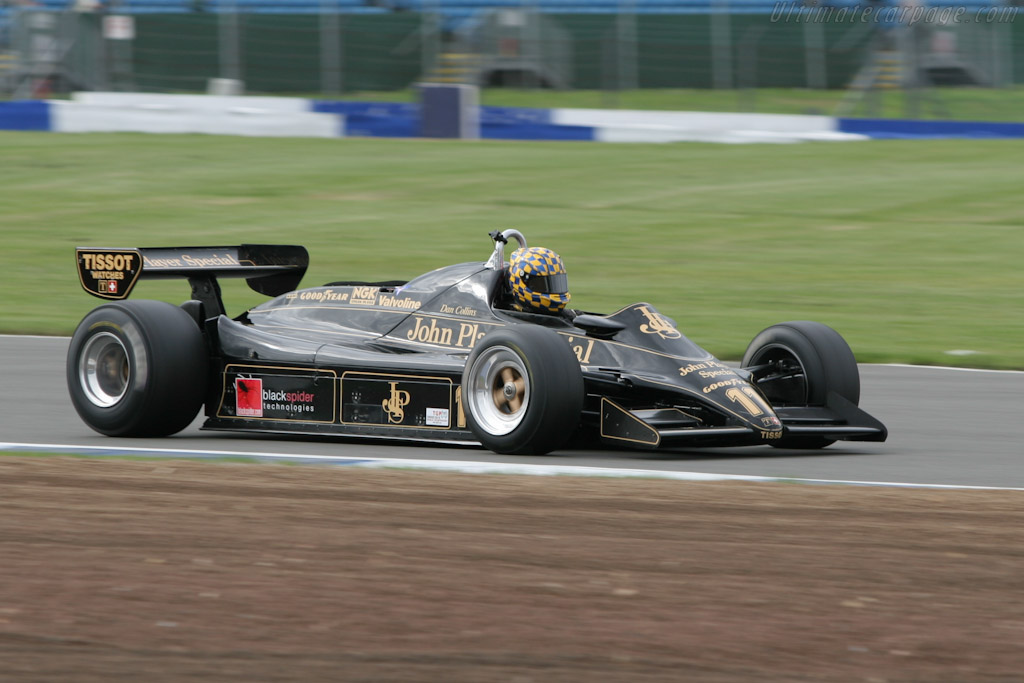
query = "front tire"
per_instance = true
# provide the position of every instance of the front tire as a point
(137, 368)
(806, 361)
(523, 391)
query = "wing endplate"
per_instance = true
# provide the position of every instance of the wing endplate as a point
(270, 269)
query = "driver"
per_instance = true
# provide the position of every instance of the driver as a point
(538, 280)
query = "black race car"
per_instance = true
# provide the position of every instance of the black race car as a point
(482, 352)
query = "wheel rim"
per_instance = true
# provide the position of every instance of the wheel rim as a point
(499, 394)
(786, 382)
(104, 370)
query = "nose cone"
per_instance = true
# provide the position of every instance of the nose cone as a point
(733, 393)
(743, 401)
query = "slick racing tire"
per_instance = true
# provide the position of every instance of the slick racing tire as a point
(809, 360)
(523, 391)
(137, 368)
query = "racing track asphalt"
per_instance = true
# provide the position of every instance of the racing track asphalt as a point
(946, 427)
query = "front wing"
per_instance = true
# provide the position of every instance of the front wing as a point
(838, 419)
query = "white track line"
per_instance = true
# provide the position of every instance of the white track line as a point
(466, 467)
(945, 367)
(33, 336)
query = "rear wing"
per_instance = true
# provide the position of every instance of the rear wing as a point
(271, 269)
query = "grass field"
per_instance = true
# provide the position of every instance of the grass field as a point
(911, 249)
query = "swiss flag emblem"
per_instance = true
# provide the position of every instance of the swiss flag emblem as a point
(112, 287)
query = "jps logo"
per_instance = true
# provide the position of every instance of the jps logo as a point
(658, 324)
(395, 404)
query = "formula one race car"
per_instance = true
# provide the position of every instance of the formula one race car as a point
(484, 352)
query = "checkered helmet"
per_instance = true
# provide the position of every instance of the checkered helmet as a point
(538, 280)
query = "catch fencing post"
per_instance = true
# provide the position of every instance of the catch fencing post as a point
(330, 47)
(721, 45)
(229, 41)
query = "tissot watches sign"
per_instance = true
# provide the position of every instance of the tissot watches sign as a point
(108, 273)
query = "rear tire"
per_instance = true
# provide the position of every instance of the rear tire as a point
(810, 360)
(137, 368)
(523, 391)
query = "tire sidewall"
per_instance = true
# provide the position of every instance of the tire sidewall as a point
(828, 363)
(167, 363)
(121, 416)
(555, 384)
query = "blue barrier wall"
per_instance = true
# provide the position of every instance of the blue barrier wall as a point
(398, 120)
(27, 115)
(381, 119)
(900, 128)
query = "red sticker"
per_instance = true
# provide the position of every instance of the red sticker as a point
(248, 397)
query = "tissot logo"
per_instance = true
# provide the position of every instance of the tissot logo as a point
(395, 404)
(108, 274)
(108, 261)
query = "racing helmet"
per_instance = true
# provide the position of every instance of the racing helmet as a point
(538, 280)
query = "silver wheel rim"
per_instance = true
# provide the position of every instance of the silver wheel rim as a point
(104, 370)
(499, 391)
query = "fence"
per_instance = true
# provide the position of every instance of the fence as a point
(712, 46)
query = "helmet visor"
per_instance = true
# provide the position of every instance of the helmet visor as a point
(548, 284)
